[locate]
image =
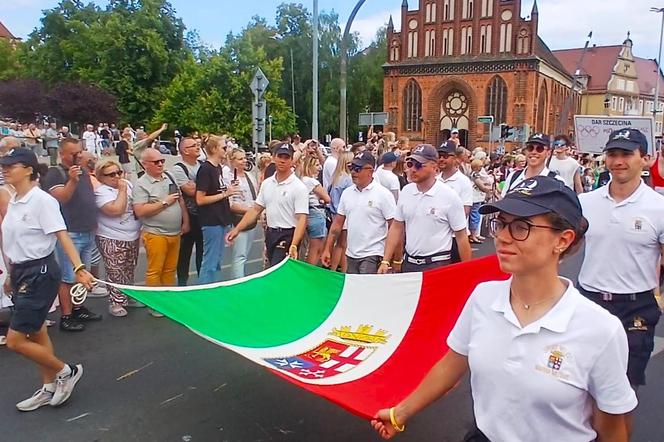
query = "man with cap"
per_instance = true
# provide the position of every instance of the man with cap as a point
(454, 137)
(623, 246)
(429, 218)
(538, 149)
(386, 177)
(285, 200)
(448, 165)
(368, 209)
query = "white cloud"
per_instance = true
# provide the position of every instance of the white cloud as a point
(368, 26)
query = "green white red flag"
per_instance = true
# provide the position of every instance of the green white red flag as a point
(362, 341)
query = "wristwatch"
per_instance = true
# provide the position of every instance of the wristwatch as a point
(164, 204)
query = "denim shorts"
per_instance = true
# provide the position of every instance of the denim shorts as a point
(316, 228)
(35, 285)
(84, 243)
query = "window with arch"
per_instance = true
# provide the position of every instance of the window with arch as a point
(430, 43)
(543, 99)
(466, 40)
(496, 100)
(412, 105)
(448, 10)
(430, 13)
(448, 41)
(487, 8)
(523, 42)
(485, 39)
(394, 51)
(506, 37)
(412, 44)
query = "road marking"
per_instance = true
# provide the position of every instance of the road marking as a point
(172, 399)
(659, 345)
(133, 372)
(78, 417)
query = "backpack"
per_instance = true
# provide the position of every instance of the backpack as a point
(189, 201)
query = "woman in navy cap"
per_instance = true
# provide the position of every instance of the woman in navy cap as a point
(30, 229)
(543, 359)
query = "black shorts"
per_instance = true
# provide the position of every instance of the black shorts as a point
(639, 317)
(277, 243)
(35, 285)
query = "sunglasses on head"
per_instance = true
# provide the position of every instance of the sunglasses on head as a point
(559, 144)
(114, 174)
(157, 162)
(539, 148)
(414, 164)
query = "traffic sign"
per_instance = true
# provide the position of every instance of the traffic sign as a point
(374, 119)
(259, 84)
(486, 119)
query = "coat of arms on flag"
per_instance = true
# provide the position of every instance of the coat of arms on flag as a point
(333, 356)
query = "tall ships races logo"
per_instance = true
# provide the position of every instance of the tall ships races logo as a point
(343, 351)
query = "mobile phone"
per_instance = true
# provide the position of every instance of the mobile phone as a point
(172, 188)
(234, 175)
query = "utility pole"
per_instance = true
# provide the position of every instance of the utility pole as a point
(343, 77)
(314, 111)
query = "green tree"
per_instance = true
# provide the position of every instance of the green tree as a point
(9, 54)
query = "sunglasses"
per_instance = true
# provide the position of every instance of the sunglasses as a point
(414, 164)
(444, 155)
(559, 144)
(356, 168)
(114, 174)
(158, 162)
(539, 148)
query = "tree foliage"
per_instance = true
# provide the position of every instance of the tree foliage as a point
(10, 67)
(21, 98)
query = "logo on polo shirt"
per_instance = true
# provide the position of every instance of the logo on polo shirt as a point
(638, 224)
(370, 204)
(555, 361)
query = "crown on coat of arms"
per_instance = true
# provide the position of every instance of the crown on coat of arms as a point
(362, 334)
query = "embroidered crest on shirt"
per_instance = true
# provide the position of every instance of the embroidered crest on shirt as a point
(370, 203)
(431, 211)
(638, 224)
(638, 324)
(556, 362)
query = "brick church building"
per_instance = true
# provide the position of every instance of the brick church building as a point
(456, 60)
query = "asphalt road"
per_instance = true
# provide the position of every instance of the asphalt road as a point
(150, 379)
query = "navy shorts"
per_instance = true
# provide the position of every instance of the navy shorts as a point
(639, 317)
(35, 285)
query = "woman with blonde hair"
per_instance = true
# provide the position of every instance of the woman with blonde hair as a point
(341, 180)
(214, 210)
(118, 232)
(316, 228)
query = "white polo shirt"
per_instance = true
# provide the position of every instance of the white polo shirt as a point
(566, 168)
(28, 230)
(623, 242)
(529, 383)
(462, 185)
(387, 179)
(367, 212)
(282, 201)
(431, 218)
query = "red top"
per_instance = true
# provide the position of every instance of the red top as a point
(655, 177)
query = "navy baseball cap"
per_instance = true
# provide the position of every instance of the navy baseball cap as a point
(364, 158)
(389, 157)
(539, 138)
(448, 147)
(423, 153)
(627, 139)
(284, 149)
(537, 196)
(20, 155)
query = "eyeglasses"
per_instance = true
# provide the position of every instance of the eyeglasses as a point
(444, 155)
(355, 168)
(116, 173)
(519, 228)
(157, 162)
(414, 164)
(559, 144)
(535, 147)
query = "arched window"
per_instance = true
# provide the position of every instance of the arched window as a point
(542, 109)
(412, 105)
(496, 100)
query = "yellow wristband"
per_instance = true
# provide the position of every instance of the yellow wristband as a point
(387, 263)
(78, 268)
(393, 421)
(397, 262)
(293, 246)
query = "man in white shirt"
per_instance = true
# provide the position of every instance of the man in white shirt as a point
(91, 140)
(624, 244)
(337, 146)
(368, 209)
(429, 218)
(564, 165)
(385, 175)
(448, 165)
(285, 200)
(538, 149)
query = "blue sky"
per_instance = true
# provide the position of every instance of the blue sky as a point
(563, 23)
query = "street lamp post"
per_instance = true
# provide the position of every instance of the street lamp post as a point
(280, 37)
(655, 109)
(343, 131)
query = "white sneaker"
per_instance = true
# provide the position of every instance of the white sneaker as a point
(39, 399)
(155, 313)
(64, 385)
(98, 292)
(132, 303)
(117, 310)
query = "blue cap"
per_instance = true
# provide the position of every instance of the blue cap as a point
(423, 153)
(364, 158)
(448, 147)
(284, 149)
(627, 139)
(537, 196)
(389, 157)
(20, 155)
(539, 138)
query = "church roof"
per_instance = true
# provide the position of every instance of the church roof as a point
(598, 64)
(4, 32)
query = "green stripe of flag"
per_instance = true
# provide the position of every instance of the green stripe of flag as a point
(284, 306)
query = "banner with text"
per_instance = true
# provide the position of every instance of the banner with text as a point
(592, 131)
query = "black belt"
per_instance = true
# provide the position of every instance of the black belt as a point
(34, 263)
(280, 229)
(618, 297)
(425, 260)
